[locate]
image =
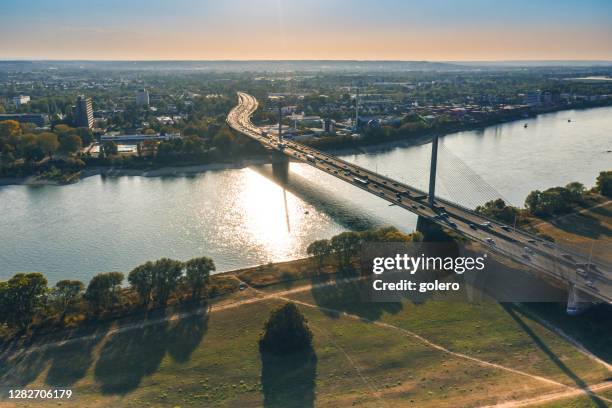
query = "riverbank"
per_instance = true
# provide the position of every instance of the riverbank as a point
(165, 171)
(365, 145)
(359, 147)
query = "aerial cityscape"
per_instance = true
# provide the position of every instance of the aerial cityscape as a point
(304, 204)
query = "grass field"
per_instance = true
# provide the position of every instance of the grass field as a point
(434, 354)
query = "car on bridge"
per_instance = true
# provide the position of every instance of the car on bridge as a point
(361, 181)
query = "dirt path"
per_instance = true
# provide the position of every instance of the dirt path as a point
(543, 399)
(570, 389)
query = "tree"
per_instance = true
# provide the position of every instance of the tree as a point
(499, 210)
(321, 249)
(197, 271)
(70, 144)
(110, 148)
(345, 246)
(554, 201)
(532, 201)
(389, 234)
(65, 293)
(85, 134)
(141, 279)
(576, 189)
(223, 140)
(21, 297)
(286, 331)
(63, 130)
(48, 143)
(30, 149)
(166, 275)
(604, 183)
(9, 128)
(103, 289)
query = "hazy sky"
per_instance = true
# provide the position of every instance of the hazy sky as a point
(306, 29)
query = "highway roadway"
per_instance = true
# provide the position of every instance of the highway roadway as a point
(532, 251)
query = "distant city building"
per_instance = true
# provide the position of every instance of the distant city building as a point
(138, 137)
(534, 98)
(287, 110)
(142, 97)
(20, 100)
(83, 112)
(38, 119)
(165, 120)
(329, 126)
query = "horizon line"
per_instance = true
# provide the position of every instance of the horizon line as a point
(3, 59)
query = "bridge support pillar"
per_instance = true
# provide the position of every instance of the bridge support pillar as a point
(431, 231)
(577, 302)
(432, 170)
(280, 165)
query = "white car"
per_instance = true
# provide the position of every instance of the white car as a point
(490, 241)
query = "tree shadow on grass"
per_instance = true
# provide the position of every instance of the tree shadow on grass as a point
(68, 355)
(70, 363)
(512, 311)
(22, 369)
(129, 356)
(186, 335)
(289, 381)
(351, 297)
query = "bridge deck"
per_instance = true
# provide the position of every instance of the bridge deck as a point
(542, 256)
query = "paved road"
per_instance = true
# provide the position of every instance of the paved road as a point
(529, 250)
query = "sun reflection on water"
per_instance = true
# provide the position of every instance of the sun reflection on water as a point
(271, 216)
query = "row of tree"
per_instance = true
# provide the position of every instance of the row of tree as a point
(346, 245)
(27, 295)
(551, 202)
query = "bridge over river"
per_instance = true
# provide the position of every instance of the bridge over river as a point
(587, 282)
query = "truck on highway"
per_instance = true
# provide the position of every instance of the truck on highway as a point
(361, 181)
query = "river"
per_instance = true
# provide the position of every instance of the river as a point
(243, 217)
